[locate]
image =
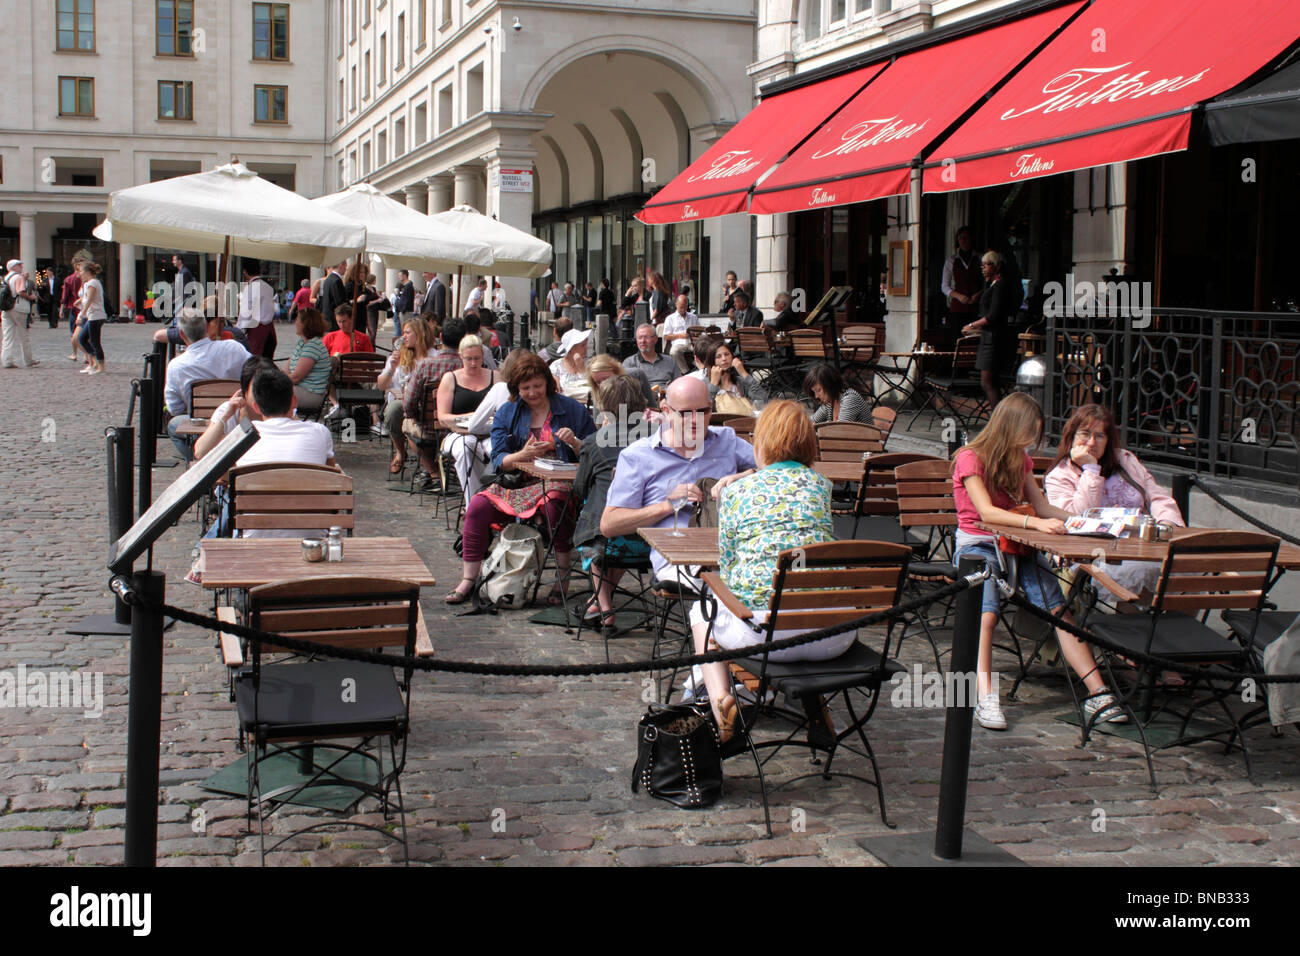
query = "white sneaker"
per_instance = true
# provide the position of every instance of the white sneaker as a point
(1102, 704)
(334, 413)
(85, 370)
(989, 713)
(96, 371)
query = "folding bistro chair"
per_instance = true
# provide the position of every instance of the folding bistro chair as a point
(288, 497)
(345, 723)
(742, 425)
(820, 585)
(861, 344)
(847, 441)
(757, 352)
(206, 397)
(805, 348)
(1224, 570)
(883, 417)
(426, 435)
(958, 394)
(355, 382)
(625, 599)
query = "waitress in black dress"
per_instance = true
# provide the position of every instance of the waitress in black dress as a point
(998, 304)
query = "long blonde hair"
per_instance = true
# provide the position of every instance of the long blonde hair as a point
(1016, 421)
(602, 363)
(423, 341)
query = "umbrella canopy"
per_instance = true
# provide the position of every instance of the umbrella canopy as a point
(404, 238)
(517, 253)
(199, 212)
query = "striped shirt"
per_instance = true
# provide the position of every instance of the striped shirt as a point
(318, 379)
(853, 408)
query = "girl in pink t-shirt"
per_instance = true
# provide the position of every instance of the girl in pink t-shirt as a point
(990, 476)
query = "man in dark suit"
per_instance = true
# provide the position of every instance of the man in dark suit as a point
(331, 295)
(744, 315)
(405, 293)
(785, 319)
(435, 297)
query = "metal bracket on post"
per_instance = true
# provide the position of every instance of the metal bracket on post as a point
(952, 844)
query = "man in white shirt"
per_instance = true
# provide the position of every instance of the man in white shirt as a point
(475, 301)
(256, 307)
(202, 359)
(283, 438)
(675, 326)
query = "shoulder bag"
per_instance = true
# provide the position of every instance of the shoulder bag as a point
(678, 758)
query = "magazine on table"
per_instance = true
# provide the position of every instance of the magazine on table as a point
(1104, 522)
(551, 464)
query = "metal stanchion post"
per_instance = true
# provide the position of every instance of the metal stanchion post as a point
(148, 441)
(159, 374)
(961, 713)
(120, 444)
(1181, 490)
(144, 720)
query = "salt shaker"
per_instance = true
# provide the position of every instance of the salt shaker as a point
(334, 546)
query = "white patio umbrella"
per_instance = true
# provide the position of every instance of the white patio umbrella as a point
(230, 210)
(517, 253)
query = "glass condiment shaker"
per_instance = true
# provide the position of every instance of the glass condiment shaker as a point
(334, 544)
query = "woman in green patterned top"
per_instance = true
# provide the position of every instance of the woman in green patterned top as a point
(309, 365)
(783, 505)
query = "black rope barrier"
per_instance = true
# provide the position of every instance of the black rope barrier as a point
(123, 589)
(1243, 515)
(1164, 663)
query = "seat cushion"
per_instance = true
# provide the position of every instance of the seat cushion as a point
(311, 699)
(859, 666)
(1178, 636)
(1271, 624)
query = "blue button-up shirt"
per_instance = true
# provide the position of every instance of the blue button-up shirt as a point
(201, 360)
(648, 469)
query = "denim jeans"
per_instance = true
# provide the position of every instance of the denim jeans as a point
(1034, 577)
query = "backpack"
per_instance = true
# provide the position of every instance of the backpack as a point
(8, 301)
(512, 568)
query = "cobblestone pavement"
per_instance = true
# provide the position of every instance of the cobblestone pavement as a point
(518, 771)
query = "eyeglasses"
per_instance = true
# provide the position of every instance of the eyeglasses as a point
(691, 411)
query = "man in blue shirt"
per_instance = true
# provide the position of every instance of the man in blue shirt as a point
(668, 463)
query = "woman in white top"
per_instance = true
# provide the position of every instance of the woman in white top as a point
(460, 393)
(92, 315)
(17, 350)
(417, 338)
(570, 370)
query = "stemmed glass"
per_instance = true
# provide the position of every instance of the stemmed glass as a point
(677, 504)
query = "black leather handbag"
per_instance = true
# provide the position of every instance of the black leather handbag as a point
(678, 758)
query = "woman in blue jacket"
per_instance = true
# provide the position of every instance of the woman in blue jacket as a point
(536, 423)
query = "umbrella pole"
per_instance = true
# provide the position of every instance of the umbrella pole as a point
(456, 305)
(223, 273)
(357, 291)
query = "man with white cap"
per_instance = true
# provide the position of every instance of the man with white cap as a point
(16, 349)
(570, 369)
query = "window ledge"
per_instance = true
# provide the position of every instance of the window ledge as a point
(281, 124)
(75, 116)
(176, 119)
(256, 61)
(173, 56)
(78, 52)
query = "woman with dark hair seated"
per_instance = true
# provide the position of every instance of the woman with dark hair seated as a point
(727, 376)
(837, 403)
(621, 408)
(536, 423)
(308, 365)
(1094, 470)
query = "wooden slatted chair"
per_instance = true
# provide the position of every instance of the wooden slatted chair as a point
(288, 497)
(1206, 570)
(355, 380)
(327, 714)
(756, 348)
(742, 425)
(861, 345)
(958, 394)
(883, 417)
(821, 585)
(848, 441)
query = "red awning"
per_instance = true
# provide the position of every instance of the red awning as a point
(1119, 83)
(718, 182)
(867, 150)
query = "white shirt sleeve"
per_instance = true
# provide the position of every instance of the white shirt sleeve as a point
(946, 284)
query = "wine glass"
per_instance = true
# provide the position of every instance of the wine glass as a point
(677, 504)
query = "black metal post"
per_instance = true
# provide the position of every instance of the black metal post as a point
(961, 713)
(1181, 491)
(148, 442)
(144, 720)
(121, 443)
(161, 356)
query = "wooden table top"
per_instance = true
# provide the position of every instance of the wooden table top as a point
(195, 426)
(839, 470)
(1079, 547)
(248, 562)
(696, 546)
(567, 473)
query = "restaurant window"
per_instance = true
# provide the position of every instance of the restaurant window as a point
(270, 104)
(175, 100)
(270, 31)
(399, 60)
(175, 26)
(76, 96)
(76, 25)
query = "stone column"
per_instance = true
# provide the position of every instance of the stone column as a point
(514, 209)
(27, 241)
(126, 274)
(440, 193)
(417, 195)
(466, 190)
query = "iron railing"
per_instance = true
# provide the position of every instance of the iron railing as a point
(1212, 392)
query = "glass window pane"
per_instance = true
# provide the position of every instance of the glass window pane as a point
(66, 41)
(259, 99)
(279, 103)
(85, 97)
(86, 6)
(67, 21)
(67, 95)
(838, 9)
(165, 46)
(165, 107)
(812, 27)
(183, 101)
(66, 6)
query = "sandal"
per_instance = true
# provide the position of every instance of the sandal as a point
(458, 596)
(195, 576)
(397, 464)
(726, 718)
(557, 595)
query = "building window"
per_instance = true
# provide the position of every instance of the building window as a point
(445, 21)
(365, 77)
(270, 31)
(382, 74)
(400, 59)
(365, 13)
(175, 100)
(175, 23)
(444, 110)
(352, 90)
(76, 96)
(399, 138)
(341, 182)
(812, 19)
(339, 46)
(419, 24)
(420, 129)
(76, 26)
(839, 10)
(270, 104)
(365, 159)
(474, 91)
(381, 148)
(352, 20)
(341, 97)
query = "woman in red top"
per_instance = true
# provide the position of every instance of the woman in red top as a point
(991, 476)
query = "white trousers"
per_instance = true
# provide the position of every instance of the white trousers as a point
(16, 348)
(468, 452)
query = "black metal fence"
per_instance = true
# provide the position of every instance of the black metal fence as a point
(1213, 392)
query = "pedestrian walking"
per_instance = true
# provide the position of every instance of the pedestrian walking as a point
(92, 317)
(16, 350)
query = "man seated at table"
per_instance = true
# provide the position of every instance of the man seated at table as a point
(202, 359)
(656, 368)
(668, 463)
(745, 315)
(675, 335)
(551, 352)
(785, 319)
(346, 339)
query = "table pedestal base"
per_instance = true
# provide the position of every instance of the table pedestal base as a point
(917, 849)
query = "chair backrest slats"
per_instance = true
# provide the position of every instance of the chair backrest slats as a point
(1216, 569)
(206, 396)
(825, 584)
(360, 369)
(847, 441)
(742, 425)
(344, 611)
(833, 597)
(291, 498)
